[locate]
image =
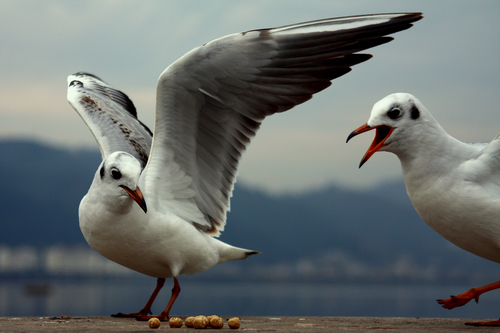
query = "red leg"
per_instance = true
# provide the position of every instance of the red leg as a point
(164, 315)
(147, 308)
(484, 323)
(474, 293)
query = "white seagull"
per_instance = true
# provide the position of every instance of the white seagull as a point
(209, 105)
(454, 186)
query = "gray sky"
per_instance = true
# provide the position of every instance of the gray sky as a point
(450, 60)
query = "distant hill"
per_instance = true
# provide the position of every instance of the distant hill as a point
(332, 232)
(43, 187)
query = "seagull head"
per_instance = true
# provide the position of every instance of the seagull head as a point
(118, 176)
(394, 118)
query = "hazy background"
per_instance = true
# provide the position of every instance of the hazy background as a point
(450, 60)
(327, 252)
(335, 240)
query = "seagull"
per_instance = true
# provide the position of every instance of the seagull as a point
(454, 186)
(157, 202)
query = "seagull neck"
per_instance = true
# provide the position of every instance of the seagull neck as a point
(434, 156)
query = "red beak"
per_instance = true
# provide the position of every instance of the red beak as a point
(137, 197)
(383, 132)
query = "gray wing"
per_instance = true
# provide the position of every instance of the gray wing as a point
(110, 115)
(485, 168)
(211, 102)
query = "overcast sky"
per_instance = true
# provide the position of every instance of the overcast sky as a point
(450, 60)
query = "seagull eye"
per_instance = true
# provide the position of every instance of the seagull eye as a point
(394, 113)
(116, 174)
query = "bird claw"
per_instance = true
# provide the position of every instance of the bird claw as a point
(129, 315)
(454, 301)
(161, 317)
(462, 299)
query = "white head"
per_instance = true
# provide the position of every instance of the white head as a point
(399, 119)
(117, 179)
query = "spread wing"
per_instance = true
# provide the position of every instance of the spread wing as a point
(110, 116)
(211, 102)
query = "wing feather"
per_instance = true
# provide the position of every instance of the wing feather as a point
(211, 102)
(110, 115)
(490, 158)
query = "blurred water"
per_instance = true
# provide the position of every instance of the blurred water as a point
(84, 298)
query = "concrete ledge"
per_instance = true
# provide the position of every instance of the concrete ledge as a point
(253, 324)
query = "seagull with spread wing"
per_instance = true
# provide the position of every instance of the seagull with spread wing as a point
(157, 201)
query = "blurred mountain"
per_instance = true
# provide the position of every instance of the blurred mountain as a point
(332, 232)
(42, 188)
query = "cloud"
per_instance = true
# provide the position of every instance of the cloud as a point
(449, 60)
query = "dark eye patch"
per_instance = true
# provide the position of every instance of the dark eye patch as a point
(415, 113)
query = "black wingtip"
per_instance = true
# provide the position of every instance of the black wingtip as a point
(88, 74)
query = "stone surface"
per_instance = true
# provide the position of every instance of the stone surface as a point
(250, 324)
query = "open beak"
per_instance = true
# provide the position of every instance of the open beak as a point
(382, 133)
(137, 197)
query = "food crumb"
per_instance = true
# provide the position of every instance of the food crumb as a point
(200, 322)
(234, 323)
(189, 321)
(175, 322)
(216, 322)
(154, 323)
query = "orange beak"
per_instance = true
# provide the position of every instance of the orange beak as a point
(383, 132)
(137, 197)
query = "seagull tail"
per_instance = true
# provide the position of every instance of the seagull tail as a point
(229, 252)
